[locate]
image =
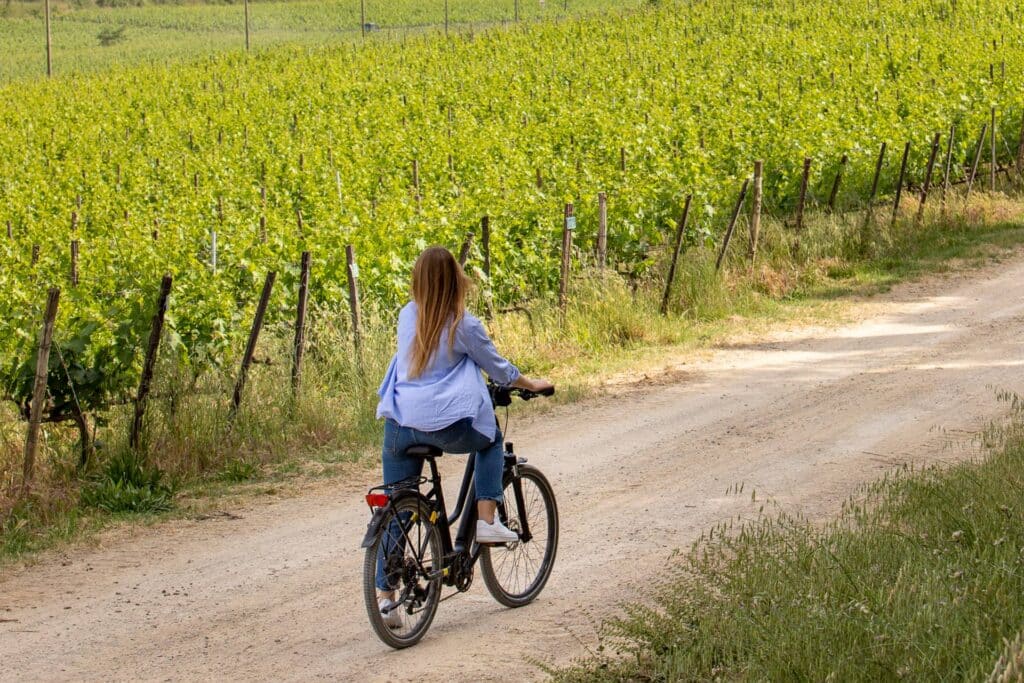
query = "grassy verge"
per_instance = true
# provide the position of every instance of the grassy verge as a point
(195, 454)
(920, 578)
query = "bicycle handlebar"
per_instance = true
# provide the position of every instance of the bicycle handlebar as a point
(502, 396)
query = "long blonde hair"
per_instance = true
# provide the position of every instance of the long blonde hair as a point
(439, 289)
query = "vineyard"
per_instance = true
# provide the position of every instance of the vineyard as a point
(222, 171)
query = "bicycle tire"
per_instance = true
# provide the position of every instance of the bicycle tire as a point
(498, 564)
(423, 533)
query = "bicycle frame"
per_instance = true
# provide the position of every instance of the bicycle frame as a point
(466, 515)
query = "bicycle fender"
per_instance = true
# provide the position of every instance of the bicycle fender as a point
(373, 528)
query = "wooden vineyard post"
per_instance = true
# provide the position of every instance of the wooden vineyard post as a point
(300, 324)
(899, 184)
(568, 226)
(1020, 150)
(992, 170)
(35, 416)
(928, 178)
(416, 175)
(835, 185)
(602, 230)
(49, 52)
(485, 247)
(977, 160)
(874, 182)
(801, 202)
(467, 244)
(362, 17)
(74, 263)
(949, 165)
(246, 25)
(10, 230)
(676, 248)
(445, 18)
(516, 11)
(353, 297)
(155, 332)
(755, 215)
(254, 335)
(735, 217)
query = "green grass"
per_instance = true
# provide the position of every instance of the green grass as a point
(276, 441)
(920, 578)
(175, 31)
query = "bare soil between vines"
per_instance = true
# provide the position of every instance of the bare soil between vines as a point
(270, 590)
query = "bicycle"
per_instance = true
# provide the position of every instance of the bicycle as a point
(410, 534)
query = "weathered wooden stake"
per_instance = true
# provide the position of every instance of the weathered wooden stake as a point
(735, 217)
(676, 248)
(35, 254)
(416, 174)
(928, 178)
(49, 52)
(74, 263)
(467, 244)
(835, 185)
(622, 159)
(755, 214)
(878, 174)
(485, 246)
(602, 230)
(992, 170)
(801, 202)
(568, 226)
(155, 333)
(948, 166)
(254, 335)
(899, 184)
(300, 324)
(10, 231)
(977, 160)
(39, 390)
(246, 25)
(1020, 149)
(362, 17)
(353, 297)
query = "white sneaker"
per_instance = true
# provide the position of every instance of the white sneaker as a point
(494, 533)
(392, 617)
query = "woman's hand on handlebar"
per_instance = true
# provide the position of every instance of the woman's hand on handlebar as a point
(537, 386)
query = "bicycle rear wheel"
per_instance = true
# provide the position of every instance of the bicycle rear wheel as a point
(515, 573)
(409, 555)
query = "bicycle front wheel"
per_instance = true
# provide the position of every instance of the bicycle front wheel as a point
(407, 557)
(515, 573)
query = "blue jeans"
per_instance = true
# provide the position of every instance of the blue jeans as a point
(459, 437)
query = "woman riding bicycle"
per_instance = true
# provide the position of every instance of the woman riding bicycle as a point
(434, 394)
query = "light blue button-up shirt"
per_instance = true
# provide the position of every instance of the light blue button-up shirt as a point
(451, 387)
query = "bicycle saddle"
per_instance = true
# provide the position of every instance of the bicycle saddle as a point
(424, 451)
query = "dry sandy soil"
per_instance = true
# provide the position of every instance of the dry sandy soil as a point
(272, 590)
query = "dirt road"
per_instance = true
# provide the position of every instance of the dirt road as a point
(803, 417)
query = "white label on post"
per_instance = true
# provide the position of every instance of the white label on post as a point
(570, 222)
(355, 270)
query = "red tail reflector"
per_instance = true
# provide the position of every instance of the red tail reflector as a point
(377, 500)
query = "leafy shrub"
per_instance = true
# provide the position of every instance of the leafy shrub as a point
(111, 36)
(129, 484)
(238, 470)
